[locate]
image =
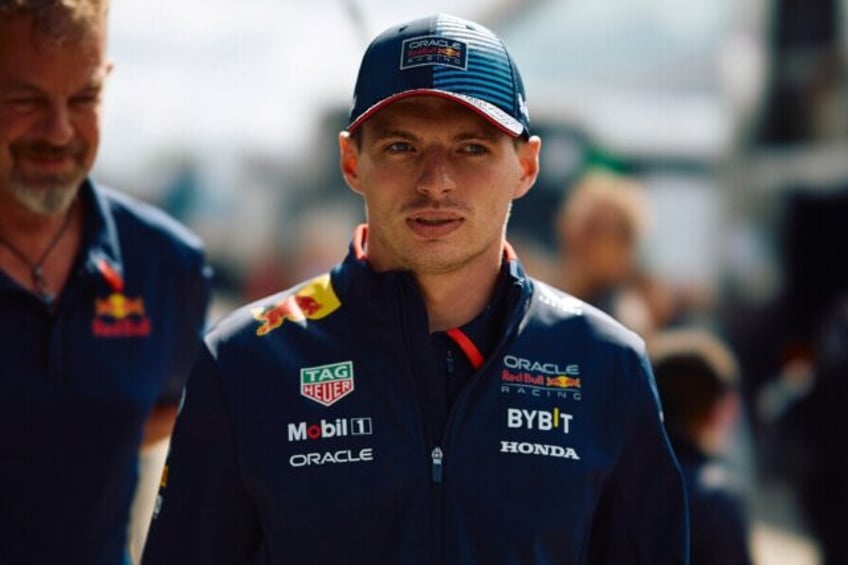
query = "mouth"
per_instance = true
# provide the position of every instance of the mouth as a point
(435, 221)
(434, 224)
(42, 164)
(47, 156)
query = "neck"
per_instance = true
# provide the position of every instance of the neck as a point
(27, 230)
(38, 250)
(454, 299)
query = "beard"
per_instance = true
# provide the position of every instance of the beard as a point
(48, 193)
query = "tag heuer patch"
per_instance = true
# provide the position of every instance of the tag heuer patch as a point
(328, 383)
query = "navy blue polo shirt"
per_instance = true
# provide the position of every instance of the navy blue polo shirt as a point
(79, 379)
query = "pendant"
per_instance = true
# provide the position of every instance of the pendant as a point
(41, 285)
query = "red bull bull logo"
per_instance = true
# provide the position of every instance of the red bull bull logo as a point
(562, 381)
(117, 306)
(315, 300)
(118, 315)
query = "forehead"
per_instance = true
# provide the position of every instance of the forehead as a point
(429, 112)
(29, 58)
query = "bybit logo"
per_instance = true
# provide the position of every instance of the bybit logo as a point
(538, 419)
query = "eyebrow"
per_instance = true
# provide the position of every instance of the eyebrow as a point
(484, 134)
(481, 134)
(18, 85)
(96, 83)
(383, 133)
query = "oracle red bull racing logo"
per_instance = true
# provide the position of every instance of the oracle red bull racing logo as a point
(315, 300)
(118, 315)
(541, 379)
(433, 50)
(328, 383)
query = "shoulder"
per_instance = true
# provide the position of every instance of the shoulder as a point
(558, 310)
(717, 507)
(611, 359)
(296, 310)
(150, 226)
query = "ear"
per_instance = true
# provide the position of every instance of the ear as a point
(349, 160)
(528, 159)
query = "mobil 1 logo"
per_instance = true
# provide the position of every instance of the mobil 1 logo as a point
(325, 429)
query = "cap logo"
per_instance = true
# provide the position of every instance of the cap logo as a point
(430, 50)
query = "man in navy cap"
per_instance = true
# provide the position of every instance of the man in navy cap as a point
(426, 401)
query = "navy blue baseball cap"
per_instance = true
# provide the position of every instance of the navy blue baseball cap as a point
(443, 56)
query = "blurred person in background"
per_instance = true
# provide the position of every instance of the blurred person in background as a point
(425, 401)
(824, 488)
(102, 297)
(697, 378)
(601, 223)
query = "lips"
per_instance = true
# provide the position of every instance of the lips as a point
(48, 154)
(49, 165)
(434, 224)
(435, 221)
(48, 160)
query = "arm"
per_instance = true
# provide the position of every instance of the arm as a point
(159, 424)
(195, 295)
(642, 516)
(204, 514)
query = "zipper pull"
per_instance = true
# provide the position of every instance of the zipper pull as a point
(437, 457)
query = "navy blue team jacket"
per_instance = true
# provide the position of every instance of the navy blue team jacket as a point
(79, 379)
(310, 434)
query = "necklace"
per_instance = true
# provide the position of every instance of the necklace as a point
(36, 270)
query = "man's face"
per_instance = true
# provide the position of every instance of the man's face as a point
(49, 115)
(598, 236)
(438, 181)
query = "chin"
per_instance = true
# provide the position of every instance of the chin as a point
(436, 263)
(47, 199)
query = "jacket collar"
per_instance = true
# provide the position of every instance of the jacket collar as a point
(101, 248)
(379, 296)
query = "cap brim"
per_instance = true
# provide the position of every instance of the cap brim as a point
(492, 113)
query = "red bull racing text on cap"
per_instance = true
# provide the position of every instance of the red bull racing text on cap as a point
(442, 56)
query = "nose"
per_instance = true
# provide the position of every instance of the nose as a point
(436, 177)
(57, 126)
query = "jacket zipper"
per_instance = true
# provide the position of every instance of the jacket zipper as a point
(437, 455)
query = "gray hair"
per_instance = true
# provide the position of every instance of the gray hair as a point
(59, 20)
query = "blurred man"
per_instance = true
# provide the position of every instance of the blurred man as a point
(102, 298)
(425, 401)
(601, 222)
(697, 380)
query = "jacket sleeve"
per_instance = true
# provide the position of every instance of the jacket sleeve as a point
(203, 514)
(642, 515)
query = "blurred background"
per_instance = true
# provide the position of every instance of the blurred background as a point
(731, 115)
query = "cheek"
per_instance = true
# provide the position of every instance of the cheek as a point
(12, 128)
(88, 126)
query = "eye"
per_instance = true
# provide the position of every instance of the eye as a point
(399, 147)
(86, 99)
(474, 149)
(22, 103)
